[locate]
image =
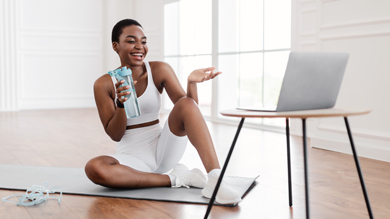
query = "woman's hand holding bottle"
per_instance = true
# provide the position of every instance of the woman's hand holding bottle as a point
(119, 90)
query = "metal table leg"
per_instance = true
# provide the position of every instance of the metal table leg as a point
(305, 167)
(290, 201)
(356, 158)
(223, 169)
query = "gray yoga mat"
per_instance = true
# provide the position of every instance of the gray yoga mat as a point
(74, 181)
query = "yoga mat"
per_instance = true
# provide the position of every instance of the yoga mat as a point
(74, 181)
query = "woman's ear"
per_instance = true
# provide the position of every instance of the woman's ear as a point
(115, 46)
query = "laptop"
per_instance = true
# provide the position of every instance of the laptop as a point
(312, 81)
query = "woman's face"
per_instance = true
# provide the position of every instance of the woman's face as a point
(132, 47)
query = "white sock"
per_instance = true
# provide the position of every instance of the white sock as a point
(217, 171)
(173, 179)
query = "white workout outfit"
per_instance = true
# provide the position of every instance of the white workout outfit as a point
(153, 148)
(156, 149)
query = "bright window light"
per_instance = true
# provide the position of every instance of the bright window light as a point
(253, 44)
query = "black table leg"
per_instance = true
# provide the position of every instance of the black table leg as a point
(305, 167)
(290, 201)
(223, 169)
(359, 169)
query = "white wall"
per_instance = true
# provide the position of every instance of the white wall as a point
(8, 79)
(150, 14)
(362, 29)
(52, 51)
(114, 11)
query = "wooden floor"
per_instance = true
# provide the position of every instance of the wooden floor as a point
(70, 138)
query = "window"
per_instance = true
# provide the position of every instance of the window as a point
(253, 44)
(187, 44)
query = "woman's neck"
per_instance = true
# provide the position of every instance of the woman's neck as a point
(137, 71)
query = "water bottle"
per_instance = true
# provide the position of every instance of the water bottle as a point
(131, 104)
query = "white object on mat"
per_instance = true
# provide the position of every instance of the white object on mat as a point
(187, 178)
(225, 195)
(34, 195)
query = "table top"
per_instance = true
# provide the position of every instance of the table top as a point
(332, 112)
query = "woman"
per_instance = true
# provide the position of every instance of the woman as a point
(145, 150)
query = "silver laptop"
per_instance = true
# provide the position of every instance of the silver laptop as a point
(312, 81)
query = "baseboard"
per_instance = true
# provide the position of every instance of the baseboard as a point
(368, 151)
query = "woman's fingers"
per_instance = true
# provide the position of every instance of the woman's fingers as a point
(215, 74)
(121, 96)
(119, 84)
(209, 69)
(208, 76)
(212, 75)
(122, 100)
(119, 89)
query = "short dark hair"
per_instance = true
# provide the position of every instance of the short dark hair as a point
(118, 28)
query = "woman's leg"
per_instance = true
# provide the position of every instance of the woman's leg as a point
(186, 119)
(108, 172)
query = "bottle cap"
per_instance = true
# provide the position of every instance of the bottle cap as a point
(125, 71)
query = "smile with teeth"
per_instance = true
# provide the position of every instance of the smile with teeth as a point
(137, 56)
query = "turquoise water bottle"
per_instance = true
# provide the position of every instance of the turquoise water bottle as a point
(131, 104)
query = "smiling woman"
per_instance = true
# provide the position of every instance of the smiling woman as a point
(145, 149)
(135, 42)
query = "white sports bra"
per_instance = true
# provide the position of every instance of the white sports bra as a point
(149, 102)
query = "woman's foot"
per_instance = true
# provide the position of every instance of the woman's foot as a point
(183, 177)
(225, 195)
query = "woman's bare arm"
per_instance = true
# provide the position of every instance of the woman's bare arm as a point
(199, 76)
(113, 119)
(192, 90)
(164, 76)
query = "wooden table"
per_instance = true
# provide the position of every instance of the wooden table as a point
(302, 114)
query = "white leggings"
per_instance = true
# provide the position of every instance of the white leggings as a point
(152, 149)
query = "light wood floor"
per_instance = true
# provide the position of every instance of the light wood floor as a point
(71, 137)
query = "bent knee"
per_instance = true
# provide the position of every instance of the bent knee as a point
(186, 102)
(97, 168)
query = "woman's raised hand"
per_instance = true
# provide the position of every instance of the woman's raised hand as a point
(119, 90)
(203, 74)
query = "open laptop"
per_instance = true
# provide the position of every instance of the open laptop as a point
(312, 81)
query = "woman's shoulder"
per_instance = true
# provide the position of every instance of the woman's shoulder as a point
(159, 66)
(104, 82)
